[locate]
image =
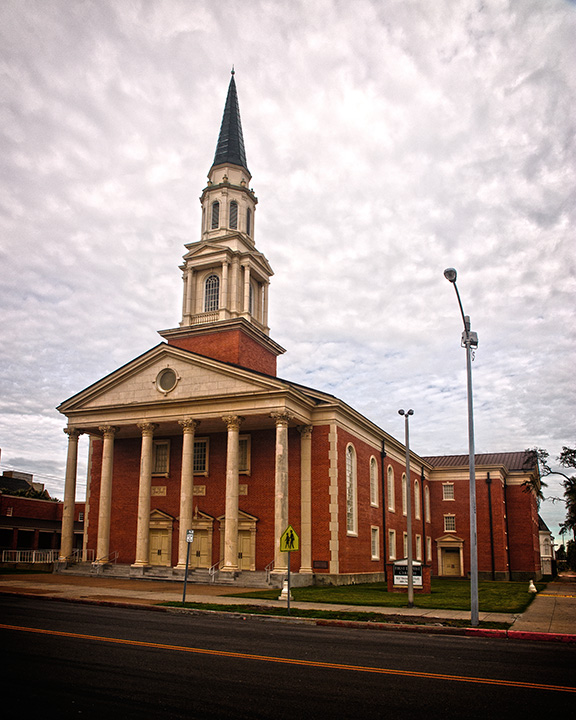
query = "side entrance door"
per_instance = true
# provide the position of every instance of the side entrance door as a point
(244, 550)
(200, 552)
(451, 562)
(159, 547)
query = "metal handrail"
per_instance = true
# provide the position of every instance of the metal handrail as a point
(268, 570)
(111, 557)
(213, 571)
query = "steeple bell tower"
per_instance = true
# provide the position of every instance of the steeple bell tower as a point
(226, 279)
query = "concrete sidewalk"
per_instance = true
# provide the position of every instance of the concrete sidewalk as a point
(552, 613)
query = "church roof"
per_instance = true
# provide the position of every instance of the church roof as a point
(230, 147)
(511, 460)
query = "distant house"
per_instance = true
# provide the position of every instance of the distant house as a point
(547, 555)
(31, 523)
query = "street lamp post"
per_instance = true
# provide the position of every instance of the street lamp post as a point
(409, 558)
(470, 342)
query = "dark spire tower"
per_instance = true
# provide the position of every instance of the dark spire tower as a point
(226, 279)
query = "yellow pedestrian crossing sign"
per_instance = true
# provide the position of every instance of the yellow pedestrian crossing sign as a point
(289, 542)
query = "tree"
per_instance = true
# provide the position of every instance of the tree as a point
(566, 459)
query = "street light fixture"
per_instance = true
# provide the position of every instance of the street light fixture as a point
(409, 558)
(470, 342)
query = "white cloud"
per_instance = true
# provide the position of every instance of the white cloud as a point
(387, 142)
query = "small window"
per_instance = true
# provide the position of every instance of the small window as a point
(392, 544)
(161, 462)
(212, 293)
(417, 503)
(449, 523)
(234, 214)
(391, 497)
(249, 221)
(244, 454)
(404, 496)
(9, 511)
(215, 215)
(81, 517)
(200, 456)
(373, 482)
(375, 542)
(448, 491)
(166, 380)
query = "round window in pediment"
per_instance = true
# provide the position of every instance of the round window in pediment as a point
(166, 380)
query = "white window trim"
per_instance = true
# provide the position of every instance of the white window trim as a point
(391, 490)
(373, 482)
(375, 540)
(417, 502)
(404, 495)
(419, 547)
(445, 486)
(427, 504)
(248, 440)
(405, 544)
(446, 516)
(428, 549)
(392, 544)
(206, 442)
(353, 497)
(156, 444)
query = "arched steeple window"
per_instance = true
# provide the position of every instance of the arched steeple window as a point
(249, 221)
(234, 214)
(215, 215)
(212, 293)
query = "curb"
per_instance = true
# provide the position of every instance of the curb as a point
(322, 622)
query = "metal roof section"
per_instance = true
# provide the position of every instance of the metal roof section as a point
(230, 147)
(522, 461)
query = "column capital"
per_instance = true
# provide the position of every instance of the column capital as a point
(282, 417)
(233, 422)
(147, 428)
(73, 433)
(305, 430)
(188, 424)
(108, 430)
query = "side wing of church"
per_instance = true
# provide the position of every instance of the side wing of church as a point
(200, 434)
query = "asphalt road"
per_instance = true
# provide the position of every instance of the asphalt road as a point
(93, 662)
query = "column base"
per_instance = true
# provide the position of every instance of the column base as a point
(230, 568)
(137, 569)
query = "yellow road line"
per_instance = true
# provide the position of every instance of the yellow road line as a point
(291, 661)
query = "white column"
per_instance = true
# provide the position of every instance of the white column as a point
(186, 487)
(189, 293)
(235, 284)
(231, 514)
(224, 301)
(305, 498)
(265, 304)
(144, 490)
(67, 537)
(281, 488)
(103, 542)
(246, 304)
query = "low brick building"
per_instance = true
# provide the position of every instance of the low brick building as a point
(199, 433)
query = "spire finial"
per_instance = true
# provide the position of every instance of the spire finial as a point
(232, 73)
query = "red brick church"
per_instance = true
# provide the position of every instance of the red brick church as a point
(200, 433)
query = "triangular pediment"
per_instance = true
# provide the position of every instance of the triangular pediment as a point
(195, 379)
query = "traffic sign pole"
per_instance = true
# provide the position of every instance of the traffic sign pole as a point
(189, 540)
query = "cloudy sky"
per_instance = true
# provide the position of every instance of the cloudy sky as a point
(388, 140)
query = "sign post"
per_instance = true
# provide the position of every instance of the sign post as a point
(189, 541)
(289, 542)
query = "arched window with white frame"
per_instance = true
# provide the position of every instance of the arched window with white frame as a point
(427, 504)
(211, 293)
(373, 482)
(417, 503)
(351, 509)
(391, 492)
(404, 495)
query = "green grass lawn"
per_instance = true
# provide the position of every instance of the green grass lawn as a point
(505, 597)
